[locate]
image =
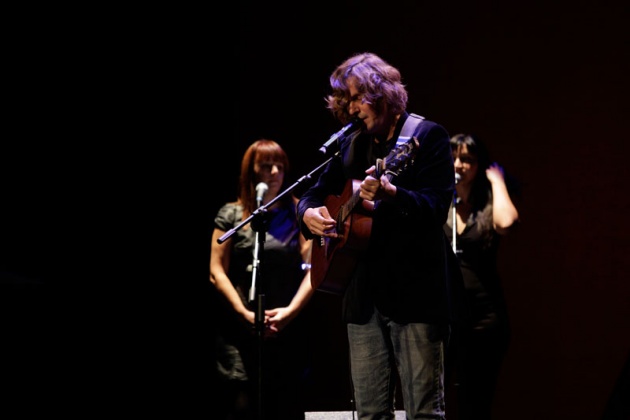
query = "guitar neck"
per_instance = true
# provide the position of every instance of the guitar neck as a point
(349, 205)
(382, 166)
(380, 170)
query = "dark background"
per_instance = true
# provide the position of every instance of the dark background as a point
(545, 86)
(125, 134)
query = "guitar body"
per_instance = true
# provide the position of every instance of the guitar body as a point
(334, 259)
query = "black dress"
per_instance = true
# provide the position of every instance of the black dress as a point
(480, 341)
(285, 357)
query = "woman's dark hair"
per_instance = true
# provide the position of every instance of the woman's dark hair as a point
(481, 191)
(479, 196)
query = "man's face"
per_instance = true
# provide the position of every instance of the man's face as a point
(374, 123)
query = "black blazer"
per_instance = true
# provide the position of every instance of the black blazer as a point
(409, 271)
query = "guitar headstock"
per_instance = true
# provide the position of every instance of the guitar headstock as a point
(399, 158)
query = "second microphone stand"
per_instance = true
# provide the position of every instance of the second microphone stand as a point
(260, 225)
(456, 201)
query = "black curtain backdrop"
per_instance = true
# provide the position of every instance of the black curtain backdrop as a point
(545, 85)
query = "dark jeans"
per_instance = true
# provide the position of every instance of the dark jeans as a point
(415, 350)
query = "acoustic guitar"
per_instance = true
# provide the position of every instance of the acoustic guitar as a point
(334, 259)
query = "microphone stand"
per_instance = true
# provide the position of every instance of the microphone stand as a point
(456, 201)
(260, 222)
(455, 340)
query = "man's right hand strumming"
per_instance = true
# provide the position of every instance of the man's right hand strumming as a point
(319, 222)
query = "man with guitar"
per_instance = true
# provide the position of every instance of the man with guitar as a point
(376, 216)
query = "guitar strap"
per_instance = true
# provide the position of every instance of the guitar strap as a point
(406, 133)
(408, 129)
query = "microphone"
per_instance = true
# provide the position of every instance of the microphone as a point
(351, 127)
(458, 178)
(261, 189)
